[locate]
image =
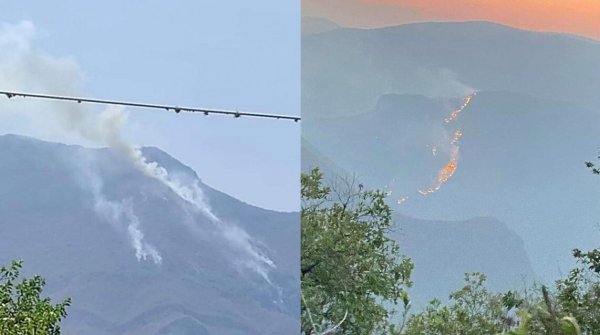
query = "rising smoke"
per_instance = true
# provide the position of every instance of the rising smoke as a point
(25, 68)
(122, 211)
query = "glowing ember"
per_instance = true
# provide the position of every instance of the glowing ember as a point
(455, 113)
(443, 175)
(457, 136)
(446, 172)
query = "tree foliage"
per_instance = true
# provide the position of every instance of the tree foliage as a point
(350, 268)
(349, 265)
(571, 308)
(472, 310)
(579, 293)
(22, 310)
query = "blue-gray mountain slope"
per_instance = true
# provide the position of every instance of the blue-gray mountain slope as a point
(47, 218)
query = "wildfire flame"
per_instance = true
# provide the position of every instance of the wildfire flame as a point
(455, 113)
(446, 172)
(457, 136)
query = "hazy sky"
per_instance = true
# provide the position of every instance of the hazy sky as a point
(230, 54)
(579, 17)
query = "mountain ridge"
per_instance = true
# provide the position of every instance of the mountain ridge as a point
(468, 23)
(437, 247)
(101, 249)
(443, 59)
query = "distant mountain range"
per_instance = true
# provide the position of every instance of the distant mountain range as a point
(375, 103)
(315, 25)
(438, 249)
(135, 257)
(345, 71)
(444, 250)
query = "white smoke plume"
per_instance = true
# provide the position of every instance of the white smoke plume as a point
(123, 212)
(119, 213)
(108, 131)
(25, 68)
(432, 82)
(258, 262)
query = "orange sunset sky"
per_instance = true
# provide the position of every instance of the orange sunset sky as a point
(580, 17)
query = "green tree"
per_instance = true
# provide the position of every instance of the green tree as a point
(572, 308)
(542, 315)
(472, 310)
(22, 310)
(350, 268)
(579, 293)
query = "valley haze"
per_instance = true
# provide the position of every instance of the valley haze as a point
(375, 102)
